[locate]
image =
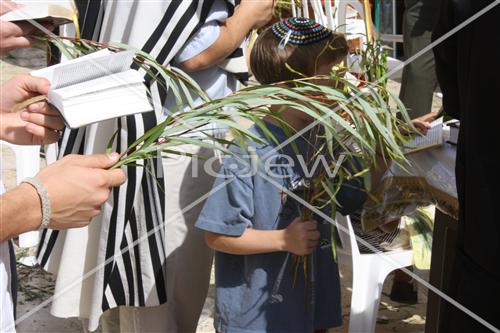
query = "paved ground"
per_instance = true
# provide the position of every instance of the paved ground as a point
(36, 286)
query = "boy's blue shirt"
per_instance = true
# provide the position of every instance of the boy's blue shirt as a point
(254, 293)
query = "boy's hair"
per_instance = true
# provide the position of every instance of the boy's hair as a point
(271, 64)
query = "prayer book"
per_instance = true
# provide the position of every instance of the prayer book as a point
(433, 138)
(56, 12)
(96, 87)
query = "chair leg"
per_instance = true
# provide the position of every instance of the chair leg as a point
(366, 293)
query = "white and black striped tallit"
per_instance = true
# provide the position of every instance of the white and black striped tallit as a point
(136, 208)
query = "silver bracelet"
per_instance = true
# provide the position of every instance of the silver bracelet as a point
(44, 200)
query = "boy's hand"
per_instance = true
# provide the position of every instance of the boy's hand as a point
(301, 237)
(260, 11)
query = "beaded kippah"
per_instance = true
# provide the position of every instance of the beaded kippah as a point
(299, 31)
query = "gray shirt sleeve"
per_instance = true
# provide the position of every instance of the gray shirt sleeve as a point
(230, 207)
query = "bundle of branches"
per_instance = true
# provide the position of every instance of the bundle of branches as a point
(350, 115)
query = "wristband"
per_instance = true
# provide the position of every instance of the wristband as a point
(44, 200)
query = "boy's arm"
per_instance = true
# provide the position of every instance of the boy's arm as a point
(250, 14)
(299, 238)
(250, 242)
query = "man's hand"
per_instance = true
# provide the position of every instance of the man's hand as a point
(14, 35)
(260, 12)
(421, 126)
(423, 123)
(34, 125)
(250, 14)
(78, 186)
(301, 237)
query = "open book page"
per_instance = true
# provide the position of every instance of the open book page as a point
(124, 79)
(48, 72)
(56, 11)
(433, 138)
(73, 73)
(89, 67)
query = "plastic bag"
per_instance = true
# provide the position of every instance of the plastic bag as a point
(429, 180)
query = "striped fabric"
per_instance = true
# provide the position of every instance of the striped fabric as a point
(133, 217)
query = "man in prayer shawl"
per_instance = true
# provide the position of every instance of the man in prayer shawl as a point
(171, 265)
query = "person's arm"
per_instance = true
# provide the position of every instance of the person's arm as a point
(35, 124)
(77, 186)
(20, 211)
(250, 14)
(300, 238)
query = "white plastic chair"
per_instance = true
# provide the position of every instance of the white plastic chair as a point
(27, 165)
(369, 272)
(341, 7)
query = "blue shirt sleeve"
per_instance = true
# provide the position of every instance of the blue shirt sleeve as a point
(230, 207)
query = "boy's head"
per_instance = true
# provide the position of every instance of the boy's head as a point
(294, 47)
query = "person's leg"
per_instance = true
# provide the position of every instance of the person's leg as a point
(403, 289)
(189, 260)
(109, 322)
(119, 320)
(419, 77)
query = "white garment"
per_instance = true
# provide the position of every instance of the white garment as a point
(7, 306)
(6, 303)
(76, 255)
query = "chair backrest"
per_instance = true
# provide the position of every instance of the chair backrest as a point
(347, 235)
(325, 12)
(341, 12)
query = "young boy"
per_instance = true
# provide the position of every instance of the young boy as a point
(253, 224)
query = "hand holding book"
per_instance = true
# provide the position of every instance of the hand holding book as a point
(23, 121)
(96, 87)
(432, 137)
(15, 33)
(53, 12)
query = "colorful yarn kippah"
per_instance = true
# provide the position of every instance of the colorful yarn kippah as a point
(299, 31)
